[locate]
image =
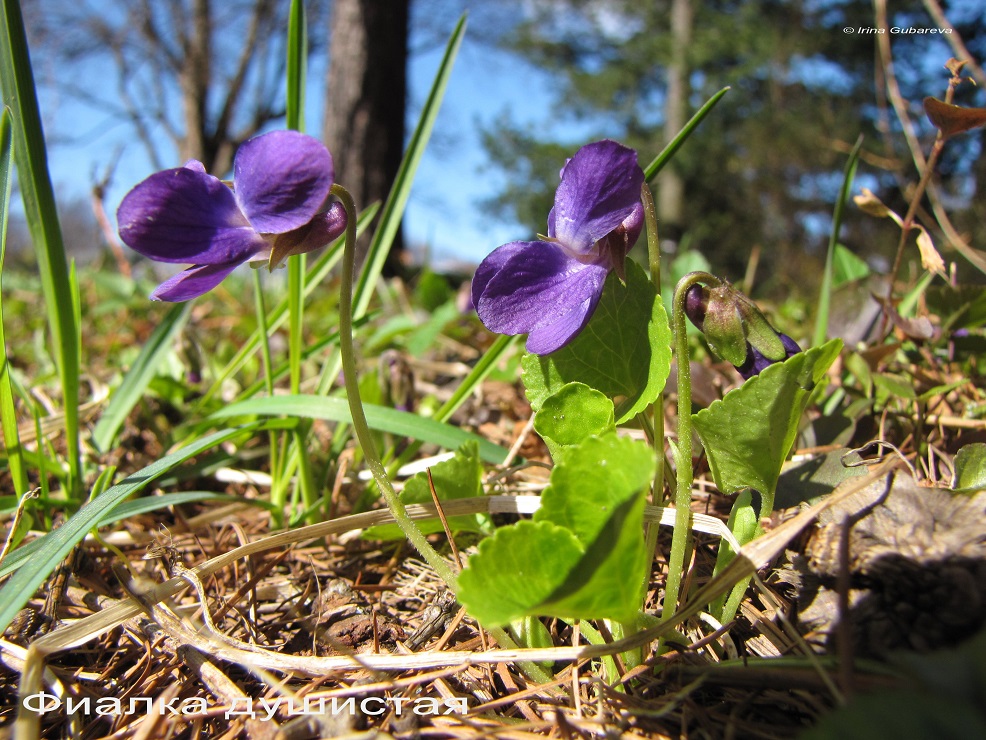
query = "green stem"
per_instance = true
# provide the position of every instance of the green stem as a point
(351, 379)
(263, 327)
(657, 408)
(653, 242)
(683, 450)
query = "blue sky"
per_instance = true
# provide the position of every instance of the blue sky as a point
(452, 177)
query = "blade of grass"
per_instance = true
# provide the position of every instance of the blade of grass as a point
(675, 144)
(142, 505)
(295, 96)
(58, 543)
(8, 415)
(295, 104)
(825, 296)
(393, 208)
(380, 418)
(139, 376)
(297, 61)
(17, 81)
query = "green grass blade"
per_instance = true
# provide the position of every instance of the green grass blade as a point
(58, 543)
(393, 208)
(825, 295)
(142, 505)
(295, 101)
(17, 81)
(297, 62)
(380, 418)
(139, 376)
(8, 415)
(675, 144)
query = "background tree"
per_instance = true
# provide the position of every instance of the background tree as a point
(192, 78)
(765, 167)
(367, 97)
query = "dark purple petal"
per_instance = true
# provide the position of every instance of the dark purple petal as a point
(321, 230)
(282, 180)
(490, 266)
(541, 291)
(697, 305)
(634, 223)
(756, 363)
(600, 188)
(192, 283)
(184, 215)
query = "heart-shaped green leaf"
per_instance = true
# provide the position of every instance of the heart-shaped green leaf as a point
(970, 468)
(583, 555)
(571, 415)
(748, 433)
(624, 351)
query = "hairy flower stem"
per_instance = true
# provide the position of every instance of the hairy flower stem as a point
(351, 378)
(657, 408)
(365, 439)
(683, 450)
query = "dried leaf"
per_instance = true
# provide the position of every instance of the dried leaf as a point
(930, 258)
(869, 203)
(953, 119)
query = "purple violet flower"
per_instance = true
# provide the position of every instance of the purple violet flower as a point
(276, 208)
(548, 289)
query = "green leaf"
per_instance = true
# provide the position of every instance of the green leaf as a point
(571, 415)
(8, 413)
(749, 433)
(135, 382)
(624, 351)
(19, 93)
(893, 386)
(847, 267)
(825, 294)
(381, 418)
(460, 477)
(55, 545)
(687, 130)
(296, 67)
(583, 555)
(970, 468)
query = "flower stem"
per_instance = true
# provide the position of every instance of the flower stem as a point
(277, 497)
(351, 379)
(683, 450)
(657, 408)
(653, 243)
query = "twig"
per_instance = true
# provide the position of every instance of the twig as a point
(955, 40)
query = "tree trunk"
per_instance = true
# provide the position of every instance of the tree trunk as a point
(671, 187)
(365, 105)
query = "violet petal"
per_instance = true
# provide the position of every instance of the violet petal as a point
(184, 215)
(321, 230)
(193, 282)
(282, 180)
(490, 266)
(600, 188)
(543, 292)
(756, 363)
